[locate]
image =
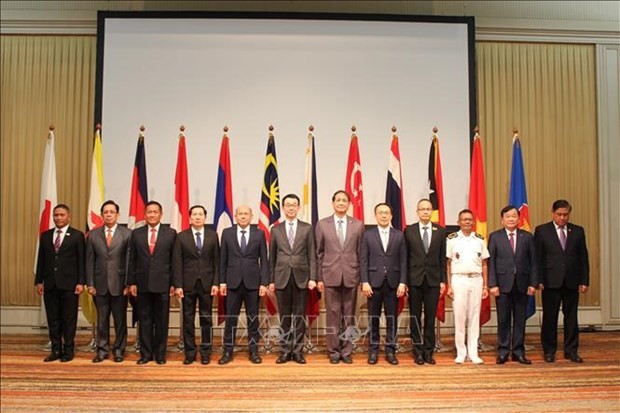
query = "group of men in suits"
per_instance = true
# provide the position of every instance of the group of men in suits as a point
(154, 263)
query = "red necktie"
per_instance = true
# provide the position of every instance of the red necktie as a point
(153, 240)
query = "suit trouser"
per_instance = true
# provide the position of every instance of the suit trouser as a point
(429, 296)
(385, 297)
(116, 306)
(61, 307)
(569, 299)
(204, 299)
(466, 307)
(154, 318)
(292, 308)
(511, 316)
(340, 312)
(234, 298)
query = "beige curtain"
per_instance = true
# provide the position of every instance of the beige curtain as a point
(547, 92)
(45, 80)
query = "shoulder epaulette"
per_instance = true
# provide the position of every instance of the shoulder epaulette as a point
(453, 235)
(479, 236)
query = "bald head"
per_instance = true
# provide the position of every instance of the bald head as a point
(243, 215)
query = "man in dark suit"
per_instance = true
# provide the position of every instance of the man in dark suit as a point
(338, 246)
(244, 277)
(513, 277)
(195, 264)
(60, 280)
(292, 262)
(383, 268)
(107, 253)
(426, 246)
(564, 274)
(150, 279)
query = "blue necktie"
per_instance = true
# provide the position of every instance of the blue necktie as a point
(198, 241)
(244, 242)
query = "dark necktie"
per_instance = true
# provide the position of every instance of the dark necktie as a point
(563, 238)
(425, 240)
(244, 242)
(512, 241)
(198, 241)
(57, 240)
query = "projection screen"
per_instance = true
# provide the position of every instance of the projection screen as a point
(250, 71)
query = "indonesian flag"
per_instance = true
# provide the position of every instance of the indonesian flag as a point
(353, 181)
(48, 200)
(435, 181)
(180, 210)
(270, 207)
(478, 205)
(395, 198)
(95, 199)
(311, 215)
(222, 218)
(139, 195)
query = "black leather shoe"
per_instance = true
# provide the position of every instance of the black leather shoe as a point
(226, 358)
(346, 359)
(283, 359)
(66, 357)
(429, 359)
(299, 358)
(205, 360)
(521, 359)
(118, 358)
(391, 358)
(501, 359)
(255, 358)
(188, 360)
(573, 357)
(161, 361)
(143, 360)
(334, 359)
(373, 358)
(52, 357)
(419, 360)
(99, 358)
(549, 358)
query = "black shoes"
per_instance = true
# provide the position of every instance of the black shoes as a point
(334, 359)
(391, 358)
(99, 358)
(283, 358)
(549, 358)
(226, 358)
(521, 359)
(52, 357)
(205, 359)
(255, 358)
(501, 359)
(66, 357)
(573, 357)
(299, 358)
(143, 360)
(346, 359)
(419, 360)
(161, 361)
(118, 358)
(429, 359)
(188, 360)
(373, 358)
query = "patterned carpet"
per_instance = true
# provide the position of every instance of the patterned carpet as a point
(28, 384)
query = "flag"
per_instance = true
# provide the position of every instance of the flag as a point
(269, 214)
(394, 196)
(435, 184)
(518, 198)
(137, 201)
(310, 214)
(353, 181)
(139, 196)
(180, 217)
(93, 215)
(478, 205)
(222, 217)
(48, 200)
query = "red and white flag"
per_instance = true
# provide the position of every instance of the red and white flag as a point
(180, 217)
(353, 181)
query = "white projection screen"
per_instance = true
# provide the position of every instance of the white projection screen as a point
(249, 71)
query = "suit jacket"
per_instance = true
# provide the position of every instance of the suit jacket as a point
(63, 269)
(301, 259)
(377, 265)
(339, 265)
(556, 266)
(151, 273)
(431, 265)
(251, 267)
(190, 264)
(106, 268)
(507, 267)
